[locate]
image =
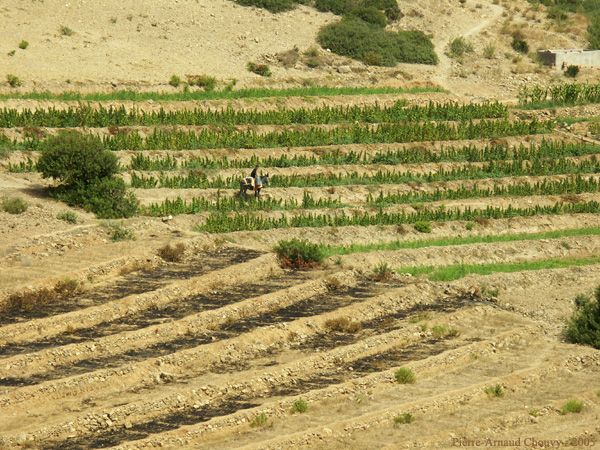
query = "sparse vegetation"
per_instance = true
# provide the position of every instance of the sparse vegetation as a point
(495, 391)
(405, 376)
(260, 420)
(174, 253)
(382, 271)
(23, 45)
(205, 82)
(259, 69)
(118, 232)
(65, 31)
(299, 406)
(458, 47)
(14, 205)
(422, 227)
(175, 81)
(27, 301)
(583, 327)
(403, 419)
(489, 51)
(343, 325)
(13, 81)
(572, 407)
(443, 332)
(299, 254)
(68, 216)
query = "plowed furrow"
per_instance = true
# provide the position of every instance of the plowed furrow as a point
(145, 318)
(132, 284)
(311, 306)
(319, 380)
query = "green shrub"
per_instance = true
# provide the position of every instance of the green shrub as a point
(520, 45)
(572, 71)
(494, 391)
(299, 254)
(572, 406)
(68, 216)
(382, 271)
(175, 81)
(118, 232)
(300, 406)
(205, 82)
(489, 51)
(259, 69)
(341, 7)
(422, 227)
(259, 420)
(23, 45)
(13, 80)
(403, 419)
(371, 15)
(14, 205)
(405, 376)
(469, 226)
(66, 31)
(371, 44)
(107, 198)
(76, 159)
(583, 327)
(458, 47)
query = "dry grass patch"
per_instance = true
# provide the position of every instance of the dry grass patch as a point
(27, 301)
(343, 325)
(175, 253)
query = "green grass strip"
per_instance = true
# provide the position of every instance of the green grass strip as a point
(457, 271)
(332, 250)
(128, 95)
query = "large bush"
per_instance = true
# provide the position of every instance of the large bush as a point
(87, 175)
(76, 159)
(584, 325)
(373, 45)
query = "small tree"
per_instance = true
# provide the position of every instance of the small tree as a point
(584, 325)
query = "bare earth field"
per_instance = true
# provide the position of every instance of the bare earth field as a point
(104, 343)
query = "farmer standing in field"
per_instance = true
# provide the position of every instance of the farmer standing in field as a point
(254, 175)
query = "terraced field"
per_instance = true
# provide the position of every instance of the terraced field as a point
(456, 240)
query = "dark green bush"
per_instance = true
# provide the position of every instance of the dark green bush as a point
(371, 44)
(341, 7)
(572, 71)
(76, 159)
(519, 45)
(299, 254)
(370, 15)
(259, 69)
(584, 325)
(107, 198)
(274, 6)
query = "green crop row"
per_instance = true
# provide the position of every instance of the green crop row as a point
(493, 169)
(312, 136)
(573, 185)
(199, 204)
(308, 91)
(223, 223)
(557, 95)
(546, 149)
(87, 116)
